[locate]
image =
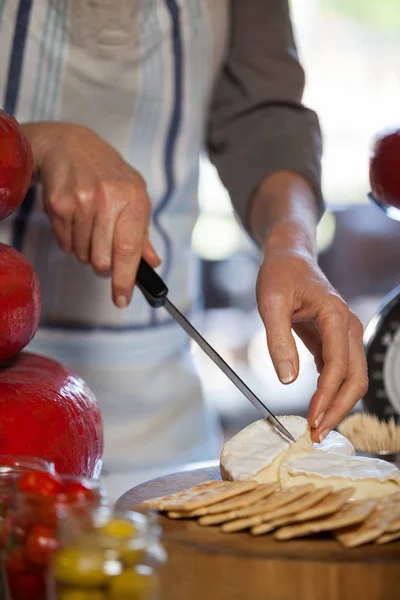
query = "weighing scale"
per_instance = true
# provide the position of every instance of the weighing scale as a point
(382, 348)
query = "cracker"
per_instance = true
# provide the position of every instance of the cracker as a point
(261, 492)
(362, 533)
(285, 514)
(249, 499)
(300, 504)
(262, 528)
(187, 514)
(350, 514)
(394, 526)
(276, 500)
(388, 537)
(241, 524)
(158, 501)
(392, 498)
(384, 519)
(327, 506)
(201, 495)
(391, 502)
(253, 515)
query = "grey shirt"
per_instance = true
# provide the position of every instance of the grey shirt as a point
(257, 122)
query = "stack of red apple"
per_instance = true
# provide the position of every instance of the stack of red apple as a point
(45, 409)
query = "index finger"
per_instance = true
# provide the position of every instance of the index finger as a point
(130, 231)
(333, 324)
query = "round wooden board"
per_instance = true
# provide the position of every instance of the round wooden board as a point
(205, 562)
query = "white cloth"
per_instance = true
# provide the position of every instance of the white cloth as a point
(139, 73)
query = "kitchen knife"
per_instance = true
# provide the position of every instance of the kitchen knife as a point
(156, 293)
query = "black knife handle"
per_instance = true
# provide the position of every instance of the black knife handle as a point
(151, 285)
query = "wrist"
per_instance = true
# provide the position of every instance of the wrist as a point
(44, 136)
(288, 236)
(284, 214)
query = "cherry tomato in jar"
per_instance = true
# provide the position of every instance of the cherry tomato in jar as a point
(40, 484)
(24, 582)
(76, 492)
(41, 543)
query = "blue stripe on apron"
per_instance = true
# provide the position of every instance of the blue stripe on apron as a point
(10, 104)
(173, 130)
(17, 55)
(21, 220)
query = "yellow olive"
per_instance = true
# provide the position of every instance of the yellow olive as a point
(132, 585)
(129, 556)
(81, 594)
(119, 528)
(80, 568)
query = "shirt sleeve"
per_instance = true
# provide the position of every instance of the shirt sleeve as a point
(257, 123)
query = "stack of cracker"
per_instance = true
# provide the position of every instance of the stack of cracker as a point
(286, 513)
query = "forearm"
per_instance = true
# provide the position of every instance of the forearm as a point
(284, 214)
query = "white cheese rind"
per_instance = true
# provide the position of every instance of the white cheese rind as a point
(336, 442)
(256, 451)
(371, 477)
(259, 452)
(256, 447)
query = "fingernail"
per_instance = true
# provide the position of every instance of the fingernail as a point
(318, 420)
(285, 371)
(122, 302)
(323, 435)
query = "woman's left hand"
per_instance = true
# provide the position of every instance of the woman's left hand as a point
(294, 294)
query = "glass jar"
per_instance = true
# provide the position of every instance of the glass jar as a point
(31, 529)
(12, 467)
(107, 556)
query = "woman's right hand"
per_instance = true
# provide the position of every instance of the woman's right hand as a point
(97, 203)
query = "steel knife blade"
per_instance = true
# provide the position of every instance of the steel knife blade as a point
(156, 293)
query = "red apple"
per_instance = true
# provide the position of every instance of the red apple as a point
(49, 412)
(16, 163)
(20, 302)
(384, 168)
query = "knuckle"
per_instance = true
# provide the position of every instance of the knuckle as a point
(126, 249)
(340, 307)
(278, 341)
(106, 190)
(273, 301)
(362, 386)
(344, 367)
(356, 325)
(84, 198)
(60, 207)
(124, 197)
(82, 256)
(101, 264)
(337, 312)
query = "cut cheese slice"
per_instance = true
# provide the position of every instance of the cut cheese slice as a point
(336, 442)
(371, 477)
(258, 451)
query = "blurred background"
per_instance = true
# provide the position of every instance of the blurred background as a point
(350, 50)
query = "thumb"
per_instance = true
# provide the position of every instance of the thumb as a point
(281, 343)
